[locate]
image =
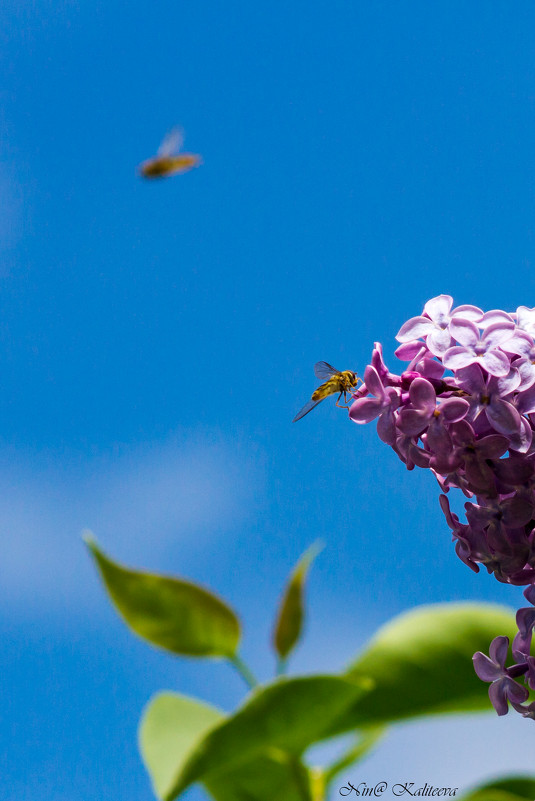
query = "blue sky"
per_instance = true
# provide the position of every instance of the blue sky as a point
(156, 339)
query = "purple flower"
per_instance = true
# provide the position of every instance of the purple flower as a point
(525, 319)
(494, 316)
(487, 395)
(503, 525)
(484, 350)
(425, 414)
(503, 688)
(383, 405)
(461, 425)
(408, 451)
(514, 471)
(434, 323)
(466, 549)
(472, 453)
(523, 345)
(525, 620)
(526, 711)
(409, 351)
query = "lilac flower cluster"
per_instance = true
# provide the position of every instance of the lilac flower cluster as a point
(465, 408)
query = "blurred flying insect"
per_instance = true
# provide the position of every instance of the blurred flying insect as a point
(334, 381)
(169, 160)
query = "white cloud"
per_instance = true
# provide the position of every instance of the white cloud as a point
(140, 503)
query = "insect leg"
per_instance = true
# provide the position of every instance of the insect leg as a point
(345, 400)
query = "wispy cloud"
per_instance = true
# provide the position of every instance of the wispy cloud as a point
(141, 502)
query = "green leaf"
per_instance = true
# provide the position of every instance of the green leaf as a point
(173, 614)
(421, 664)
(511, 788)
(274, 776)
(171, 726)
(290, 618)
(288, 715)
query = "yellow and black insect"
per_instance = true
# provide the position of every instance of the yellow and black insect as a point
(334, 381)
(169, 160)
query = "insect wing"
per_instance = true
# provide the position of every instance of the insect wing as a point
(172, 142)
(324, 371)
(306, 409)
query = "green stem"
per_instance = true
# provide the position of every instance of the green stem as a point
(359, 749)
(244, 671)
(318, 784)
(281, 666)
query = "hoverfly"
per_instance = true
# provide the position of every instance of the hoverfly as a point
(334, 381)
(168, 160)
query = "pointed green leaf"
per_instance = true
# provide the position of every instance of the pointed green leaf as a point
(288, 715)
(173, 614)
(511, 788)
(290, 618)
(421, 663)
(171, 726)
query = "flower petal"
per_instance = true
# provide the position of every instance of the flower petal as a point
(430, 368)
(513, 471)
(364, 410)
(438, 309)
(374, 385)
(467, 312)
(525, 401)
(454, 409)
(464, 332)
(516, 512)
(514, 691)
(520, 343)
(386, 427)
(438, 341)
(492, 446)
(408, 350)
(495, 362)
(498, 697)
(412, 421)
(503, 417)
(471, 379)
(493, 317)
(521, 442)
(414, 328)
(506, 384)
(525, 319)
(526, 711)
(451, 519)
(522, 642)
(529, 594)
(457, 357)
(498, 650)
(438, 439)
(422, 395)
(497, 334)
(526, 371)
(463, 434)
(485, 668)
